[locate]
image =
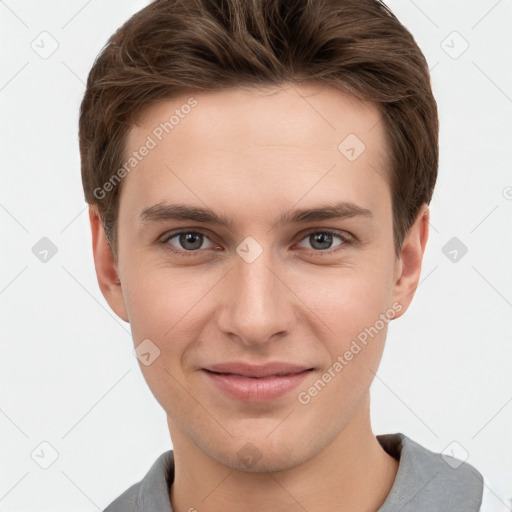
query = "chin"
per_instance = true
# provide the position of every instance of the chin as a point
(251, 454)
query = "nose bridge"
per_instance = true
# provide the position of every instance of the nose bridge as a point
(256, 305)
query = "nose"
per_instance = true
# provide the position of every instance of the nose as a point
(257, 305)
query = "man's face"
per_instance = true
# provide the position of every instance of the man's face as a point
(260, 291)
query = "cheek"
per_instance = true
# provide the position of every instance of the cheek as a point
(160, 307)
(336, 390)
(354, 305)
(347, 300)
(159, 301)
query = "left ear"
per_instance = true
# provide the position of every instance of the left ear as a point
(408, 265)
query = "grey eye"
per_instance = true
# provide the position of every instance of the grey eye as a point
(188, 240)
(322, 240)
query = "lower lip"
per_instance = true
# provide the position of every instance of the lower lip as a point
(251, 389)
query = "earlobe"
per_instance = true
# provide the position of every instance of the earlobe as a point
(410, 259)
(106, 267)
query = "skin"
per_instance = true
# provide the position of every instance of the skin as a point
(253, 155)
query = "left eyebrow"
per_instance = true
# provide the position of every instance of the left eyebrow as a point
(343, 210)
(163, 212)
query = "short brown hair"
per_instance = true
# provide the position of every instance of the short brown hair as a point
(174, 46)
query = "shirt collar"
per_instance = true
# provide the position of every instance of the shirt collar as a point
(428, 481)
(425, 481)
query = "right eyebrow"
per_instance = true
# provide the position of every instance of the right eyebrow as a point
(162, 212)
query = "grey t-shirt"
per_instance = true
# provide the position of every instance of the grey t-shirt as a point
(425, 481)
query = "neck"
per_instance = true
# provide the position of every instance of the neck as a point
(352, 473)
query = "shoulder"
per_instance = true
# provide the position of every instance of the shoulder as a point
(151, 494)
(428, 481)
(126, 502)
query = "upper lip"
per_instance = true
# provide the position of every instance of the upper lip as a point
(249, 370)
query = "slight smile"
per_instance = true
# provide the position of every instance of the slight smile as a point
(251, 383)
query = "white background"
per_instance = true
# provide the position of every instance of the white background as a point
(68, 374)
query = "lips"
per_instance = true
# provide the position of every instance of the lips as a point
(253, 383)
(254, 371)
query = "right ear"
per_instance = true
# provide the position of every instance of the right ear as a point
(106, 267)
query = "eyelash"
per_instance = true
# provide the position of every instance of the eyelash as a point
(346, 239)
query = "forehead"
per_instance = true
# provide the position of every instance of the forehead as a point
(257, 141)
(242, 112)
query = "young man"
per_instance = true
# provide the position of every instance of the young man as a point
(259, 175)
